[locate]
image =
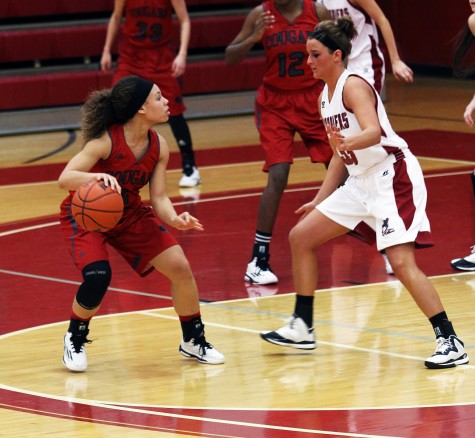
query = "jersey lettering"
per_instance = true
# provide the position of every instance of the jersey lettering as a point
(337, 13)
(135, 177)
(338, 120)
(285, 37)
(148, 12)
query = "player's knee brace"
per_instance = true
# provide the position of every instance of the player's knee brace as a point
(97, 277)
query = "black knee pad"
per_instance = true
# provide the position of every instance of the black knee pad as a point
(97, 277)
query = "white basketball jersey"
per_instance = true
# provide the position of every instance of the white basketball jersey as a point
(360, 161)
(365, 57)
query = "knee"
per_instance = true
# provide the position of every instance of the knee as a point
(97, 277)
(278, 176)
(180, 270)
(297, 238)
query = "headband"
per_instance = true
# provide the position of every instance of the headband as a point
(142, 89)
(322, 36)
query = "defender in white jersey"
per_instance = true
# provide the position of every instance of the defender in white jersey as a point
(385, 189)
(366, 58)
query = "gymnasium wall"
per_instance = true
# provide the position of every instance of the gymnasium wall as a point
(425, 30)
(50, 49)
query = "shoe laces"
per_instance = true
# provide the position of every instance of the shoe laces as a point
(202, 343)
(262, 264)
(444, 345)
(78, 342)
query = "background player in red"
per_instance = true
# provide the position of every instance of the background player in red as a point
(285, 105)
(385, 189)
(123, 150)
(145, 50)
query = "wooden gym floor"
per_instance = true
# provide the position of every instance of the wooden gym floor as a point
(367, 377)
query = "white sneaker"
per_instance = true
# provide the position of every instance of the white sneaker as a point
(74, 356)
(296, 335)
(192, 180)
(387, 265)
(466, 263)
(449, 353)
(201, 350)
(260, 273)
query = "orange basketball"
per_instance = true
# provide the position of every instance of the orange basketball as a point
(97, 207)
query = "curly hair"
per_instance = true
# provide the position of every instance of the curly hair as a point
(107, 107)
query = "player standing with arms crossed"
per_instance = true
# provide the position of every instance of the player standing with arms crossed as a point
(285, 105)
(385, 189)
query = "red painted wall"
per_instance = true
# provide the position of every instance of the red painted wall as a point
(425, 30)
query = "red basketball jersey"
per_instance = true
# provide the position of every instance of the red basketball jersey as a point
(285, 48)
(132, 174)
(148, 23)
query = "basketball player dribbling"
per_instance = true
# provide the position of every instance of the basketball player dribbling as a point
(121, 149)
(385, 189)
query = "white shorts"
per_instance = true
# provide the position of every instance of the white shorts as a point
(391, 201)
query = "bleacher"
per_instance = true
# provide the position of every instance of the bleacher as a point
(50, 51)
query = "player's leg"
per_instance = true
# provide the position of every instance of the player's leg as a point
(181, 131)
(96, 280)
(174, 265)
(450, 349)
(277, 139)
(305, 238)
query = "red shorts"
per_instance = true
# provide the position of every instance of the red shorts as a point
(281, 114)
(138, 239)
(154, 64)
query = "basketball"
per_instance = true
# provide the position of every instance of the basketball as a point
(97, 207)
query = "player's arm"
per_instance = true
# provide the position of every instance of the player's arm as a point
(336, 173)
(322, 12)
(113, 27)
(77, 172)
(360, 97)
(252, 31)
(400, 70)
(179, 63)
(159, 199)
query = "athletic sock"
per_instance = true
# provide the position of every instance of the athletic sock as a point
(191, 326)
(260, 249)
(442, 326)
(304, 309)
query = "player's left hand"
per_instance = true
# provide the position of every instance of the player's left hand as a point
(178, 66)
(185, 221)
(402, 72)
(305, 209)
